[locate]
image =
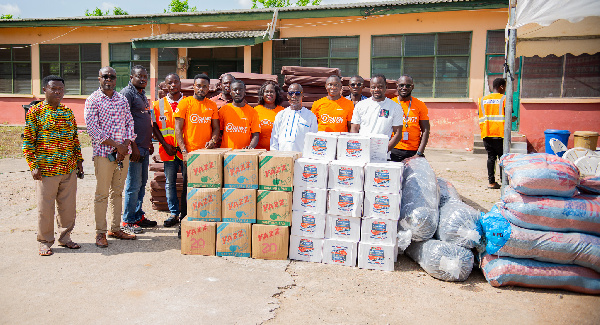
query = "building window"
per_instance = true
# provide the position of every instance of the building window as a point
(219, 60)
(563, 76)
(123, 57)
(78, 64)
(331, 52)
(15, 69)
(438, 63)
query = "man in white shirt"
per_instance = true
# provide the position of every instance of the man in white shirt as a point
(378, 114)
(292, 124)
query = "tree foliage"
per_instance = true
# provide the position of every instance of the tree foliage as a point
(117, 11)
(6, 16)
(284, 3)
(179, 6)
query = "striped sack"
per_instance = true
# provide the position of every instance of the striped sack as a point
(540, 174)
(580, 213)
(590, 184)
(505, 239)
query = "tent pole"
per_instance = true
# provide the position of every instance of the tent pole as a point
(510, 60)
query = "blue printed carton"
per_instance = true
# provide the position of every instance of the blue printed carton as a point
(307, 249)
(376, 256)
(343, 228)
(340, 252)
(346, 175)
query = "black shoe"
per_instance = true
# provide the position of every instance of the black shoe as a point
(131, 228)
(146, 223)
(171, 221)
(179, 232)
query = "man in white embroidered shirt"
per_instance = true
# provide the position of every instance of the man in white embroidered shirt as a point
(292, 124)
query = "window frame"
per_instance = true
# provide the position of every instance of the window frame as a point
(132, 62)
(13, 63)
(78, 62)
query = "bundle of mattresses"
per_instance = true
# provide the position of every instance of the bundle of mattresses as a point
(158, 194)
(312, 80)
(253, 83)
(544, 233)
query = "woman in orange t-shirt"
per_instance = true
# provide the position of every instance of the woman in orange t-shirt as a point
(269, 104)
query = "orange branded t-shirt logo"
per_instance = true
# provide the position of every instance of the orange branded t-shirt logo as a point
(195, 118)
(266, 122)
(325, 118)
(230, 127)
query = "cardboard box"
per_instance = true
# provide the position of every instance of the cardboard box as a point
(306, 249)
(308, 224)
(376, 256)
(238, 205)
(198, 237)
(205, 168)
(345, 203)
(344, 228)
(346, 175)
(382, 205)
(233, 239)
(270, 242)
(340, 252)
(310, 199)
(240, 169)
(276, 170)
(204, 204)
(310, 173)
(320, 145)
(354, 147)
(379, 147)
(379, 231)
(384, 177)
(274, 208)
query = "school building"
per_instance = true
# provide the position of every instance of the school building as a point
(452, 48)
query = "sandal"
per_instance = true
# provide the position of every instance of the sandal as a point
(45, 250)
(70, 245)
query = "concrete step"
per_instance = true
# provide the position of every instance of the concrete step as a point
(518, 144)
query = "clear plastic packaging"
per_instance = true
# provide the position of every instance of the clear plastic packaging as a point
(447, 191)
(459, 224)
(442, 260)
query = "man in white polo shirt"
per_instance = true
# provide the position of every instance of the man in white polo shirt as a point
(378, 114)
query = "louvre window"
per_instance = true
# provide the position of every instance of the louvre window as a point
(78, 64)
(123, 57)
(15, 69)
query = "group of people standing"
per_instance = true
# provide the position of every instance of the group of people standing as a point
(122, 124)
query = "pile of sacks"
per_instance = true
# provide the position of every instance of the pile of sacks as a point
(545, 231)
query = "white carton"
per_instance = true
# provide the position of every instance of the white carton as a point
(379, 147)
(346, 175)
(310, 173)
(308, 224)
(345, 203)
(384, 177)
(382, 205)
(321, 145)
(306, 249)
(340, 252)
(354, 147)
(344, 228)
(310, 199)
(376, 256)
(379, 231)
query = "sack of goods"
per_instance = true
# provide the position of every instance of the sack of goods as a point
(590, 185)
(442, 260)
(541, 174)
(459, 224)
(447, 191)
(420, 199)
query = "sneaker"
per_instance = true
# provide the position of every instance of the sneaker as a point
(131, 228)
(171, 221)
(146, 223)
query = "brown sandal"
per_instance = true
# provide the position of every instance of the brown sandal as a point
(45, 250)
(70, 245)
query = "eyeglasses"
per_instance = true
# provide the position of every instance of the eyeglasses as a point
(356, 85)
(109, 77)
(292, 93)
(404, 85)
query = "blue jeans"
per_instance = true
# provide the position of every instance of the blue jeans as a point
(171, 168)
(135, 188)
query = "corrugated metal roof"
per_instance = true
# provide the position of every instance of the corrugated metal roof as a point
(200, 36)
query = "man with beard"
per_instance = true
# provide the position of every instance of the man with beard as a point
(224, 97)
(292, 124)
(333, 112)
(240, 126)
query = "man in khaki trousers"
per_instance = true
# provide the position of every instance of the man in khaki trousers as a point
(110, 125)
(51, 148)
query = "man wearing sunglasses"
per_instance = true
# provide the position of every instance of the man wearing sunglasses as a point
(357, 84)
(292, 124)
(333, 112)
(110, 125)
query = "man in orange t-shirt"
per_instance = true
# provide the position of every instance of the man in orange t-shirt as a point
(415, 132)
(333, 112)
(240, 127)
(196, 127)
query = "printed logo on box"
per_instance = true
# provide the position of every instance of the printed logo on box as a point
(319, 146)
(308, 223)
(379, 230)
(309, 174)
(342, 227)
(346, 202)
(382, 178)
(233, 242)
(306, 247)
(382, 204)
(376, 256)
(339, 254)
(346, 176)
(309, 199)
(353, 148)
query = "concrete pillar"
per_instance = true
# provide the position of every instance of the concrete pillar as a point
(364, 56)
(153, 73)
(267, 59)
(247, 59)
(182, 69)
(36, 80)
(104, 54)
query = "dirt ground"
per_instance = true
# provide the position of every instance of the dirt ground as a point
(149, 281)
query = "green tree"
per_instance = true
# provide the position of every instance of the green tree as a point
(117, 11)
(6, 16)
(179, 6)
(284, 3)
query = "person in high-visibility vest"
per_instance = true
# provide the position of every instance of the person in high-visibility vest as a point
(163, 127)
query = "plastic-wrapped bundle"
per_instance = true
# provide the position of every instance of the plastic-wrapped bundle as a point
(447, 191)
(590, 184)
(580, 213)
(522, 272)
(444, 261)
(459, 224)
(505, 239)
(420, 199)
(404, 239)
(540, 174)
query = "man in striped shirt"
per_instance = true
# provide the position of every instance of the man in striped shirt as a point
(52, 150)
(110, 125)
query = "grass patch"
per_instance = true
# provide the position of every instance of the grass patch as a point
(11, 144)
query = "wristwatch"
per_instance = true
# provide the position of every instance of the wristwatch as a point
(420, 154)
